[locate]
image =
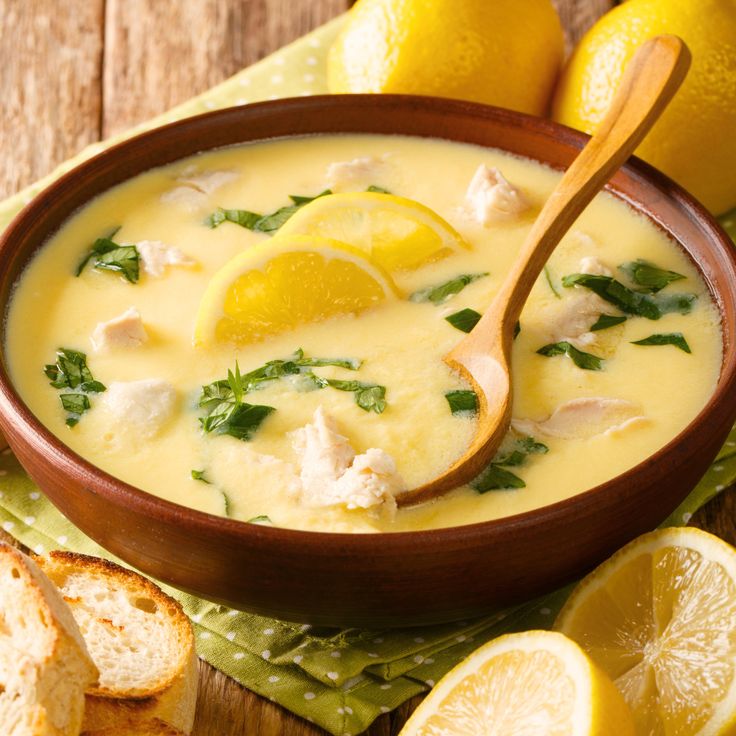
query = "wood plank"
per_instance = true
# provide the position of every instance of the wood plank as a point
(50, 78)
(155, 58)
(579, 15)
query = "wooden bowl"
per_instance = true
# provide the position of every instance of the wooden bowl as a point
(372, 580)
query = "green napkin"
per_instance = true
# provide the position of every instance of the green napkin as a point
(340, 679)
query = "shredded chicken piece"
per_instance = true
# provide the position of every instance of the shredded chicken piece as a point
(583, 418)
(206, 181)
(331, 474)
(492, 197)
(361, 171)
(140, 406)
(594, 266)
(157, 256)
(195, 186)
(124, 331)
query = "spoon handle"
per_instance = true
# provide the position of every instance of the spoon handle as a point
(649, 83)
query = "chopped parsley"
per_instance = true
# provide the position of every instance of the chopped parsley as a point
(462, 402)
(666, 338)
(583, 360)
(607, 320)
(107, 255)
(71, 372)
(496, 477)
(517, 329)
(377, 190)
(257, 222)
(262, 519)
(442, 292)
(225, 410)
(199, 475)
(650, 277)
(368, 396)
(551, 283)
(464, 320)
(651, 306)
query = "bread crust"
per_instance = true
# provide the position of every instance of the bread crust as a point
(50, 667)
(155, 727)
(172, 697)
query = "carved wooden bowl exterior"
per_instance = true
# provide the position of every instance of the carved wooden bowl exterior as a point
(372, 580)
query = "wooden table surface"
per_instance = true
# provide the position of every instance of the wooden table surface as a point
(75, 71)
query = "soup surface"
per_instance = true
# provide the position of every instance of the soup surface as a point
(332, 456)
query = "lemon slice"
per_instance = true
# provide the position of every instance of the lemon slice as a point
(659, 617)
(286, 282)
(398, 233)
(537, 682)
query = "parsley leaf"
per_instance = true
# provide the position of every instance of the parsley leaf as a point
(607, 320)
(107, 255)
(650, 277)
(462, 402)
(70, 369)
(464, 320)
(257, 222)
(262, 519)
(71, 372)
(368, 396)
(226, 412)
(199, 475)
(551, 283)
(631, 302)
(666, 338)
(442, 292)
(583, 360)
(496, 477)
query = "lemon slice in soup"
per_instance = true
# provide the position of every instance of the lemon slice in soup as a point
(398, 233)
(280, 284)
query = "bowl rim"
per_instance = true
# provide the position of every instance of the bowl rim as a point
(13, 410)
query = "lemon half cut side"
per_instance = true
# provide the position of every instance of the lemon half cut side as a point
(398, 233)
(536, 682)
(659, 617)
(280, 284)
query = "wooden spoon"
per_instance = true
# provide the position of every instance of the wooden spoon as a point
(483, 358)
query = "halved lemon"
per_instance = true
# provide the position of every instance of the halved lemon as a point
(286, 282)
(398, 233)
(537, 682)
(659, 618)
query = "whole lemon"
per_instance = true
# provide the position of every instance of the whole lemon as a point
(695, 140)
(501, 52)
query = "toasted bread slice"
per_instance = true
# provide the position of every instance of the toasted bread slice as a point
(45, 667)
(149, 728)
(139, 638)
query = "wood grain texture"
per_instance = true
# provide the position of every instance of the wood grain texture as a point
(50, 57)
(579, 15)
(159, 53)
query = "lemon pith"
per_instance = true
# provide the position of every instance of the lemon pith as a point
(502, 53)
(693, 142)
(398, 233)
(660, 618)
(533, 682)
(280, 284)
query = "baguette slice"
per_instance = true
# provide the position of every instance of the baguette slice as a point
(45, 667)
(139, 638)
(149, 728)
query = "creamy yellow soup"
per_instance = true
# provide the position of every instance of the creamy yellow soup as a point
(587, 425)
